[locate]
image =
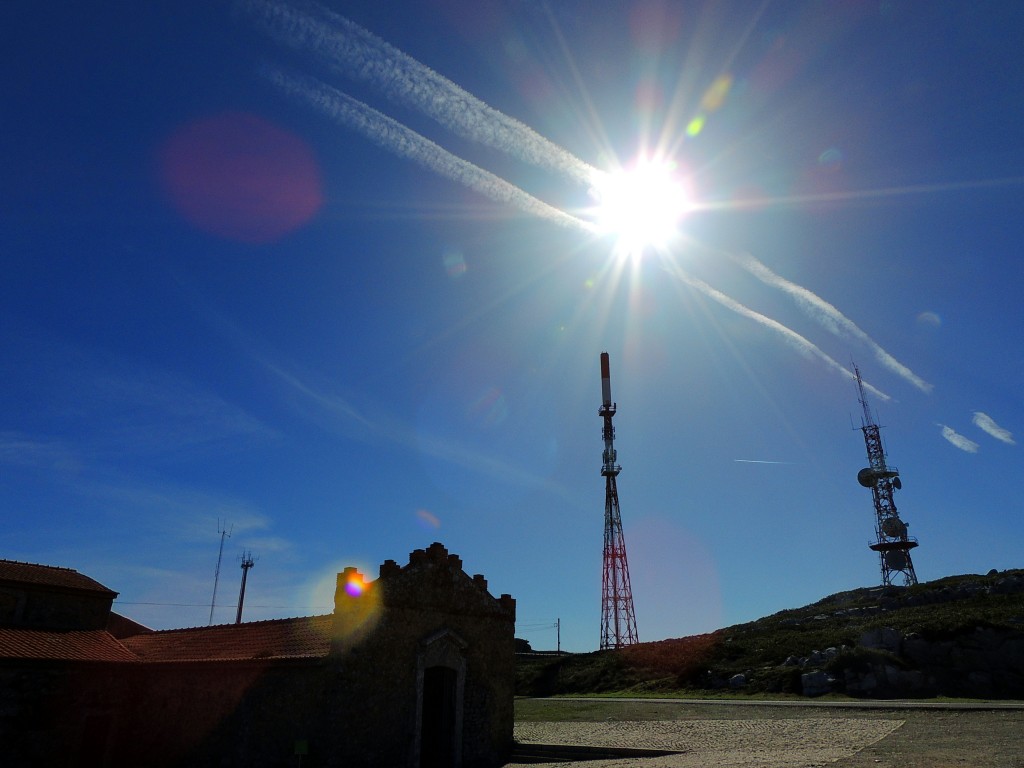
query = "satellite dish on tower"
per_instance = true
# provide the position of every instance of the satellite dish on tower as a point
(866, 477)
(893, 527)
(896, 559)
(897, 483)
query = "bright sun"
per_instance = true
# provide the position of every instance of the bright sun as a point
(640, 206)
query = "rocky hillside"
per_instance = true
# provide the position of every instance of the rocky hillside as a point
(957, 636)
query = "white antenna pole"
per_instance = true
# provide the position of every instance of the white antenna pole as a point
(224, 533)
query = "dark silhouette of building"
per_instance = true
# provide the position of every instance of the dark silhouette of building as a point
(414, 668)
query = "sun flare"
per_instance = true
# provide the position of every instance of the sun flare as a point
(640, 206)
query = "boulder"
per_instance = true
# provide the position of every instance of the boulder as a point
(816, 683)
(885, 638)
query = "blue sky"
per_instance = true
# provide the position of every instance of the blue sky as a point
(325, 275)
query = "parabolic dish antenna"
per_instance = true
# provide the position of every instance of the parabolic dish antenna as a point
(893, 527)
(896, 559)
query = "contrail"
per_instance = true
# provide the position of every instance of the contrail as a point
(404, 142)
(354, 52)
(357, 53)
(802, 344)
(986, 423)
(828, 316)
(761, 461)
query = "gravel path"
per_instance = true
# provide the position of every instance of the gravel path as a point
(787, 743)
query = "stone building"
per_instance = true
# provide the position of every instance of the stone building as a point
(414, 668)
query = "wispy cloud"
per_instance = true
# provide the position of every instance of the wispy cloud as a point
(179, 512)
(22, 450)
(986, 423)
(111, 408)
(828, 316)
(958, 440)
(153, 411)
(760, 461)
(379, 425)
(358, 54)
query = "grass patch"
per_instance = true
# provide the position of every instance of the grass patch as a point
(703, 665)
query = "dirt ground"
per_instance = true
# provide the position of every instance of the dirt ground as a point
(776, 737)
(943, 739)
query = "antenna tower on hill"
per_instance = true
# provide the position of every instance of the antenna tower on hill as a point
(891, 541)
(618, 623)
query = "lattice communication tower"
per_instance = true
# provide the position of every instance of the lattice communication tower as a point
(618, 622)
(891, 541)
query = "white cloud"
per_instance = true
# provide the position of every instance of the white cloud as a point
(958, 440)
(985, 423)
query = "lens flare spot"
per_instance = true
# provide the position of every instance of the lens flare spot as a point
(649, 98)
(666, 553)
(454, 263)
(489, 409)
(427, 520)
(356, 606)
(240, 177)
(831, 159)
(714, 96)
(695, 126)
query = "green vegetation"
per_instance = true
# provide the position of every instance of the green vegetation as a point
(943, 609)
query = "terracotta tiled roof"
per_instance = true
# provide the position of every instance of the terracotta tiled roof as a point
(308, 637)
(121, 626)
(81, 645)
(48, 575)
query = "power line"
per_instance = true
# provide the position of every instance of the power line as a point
(222, 605)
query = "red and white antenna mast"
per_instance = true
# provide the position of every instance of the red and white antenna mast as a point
(618, 623)
(891, 541)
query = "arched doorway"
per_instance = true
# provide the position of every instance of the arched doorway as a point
(441, 681)
(437, 729)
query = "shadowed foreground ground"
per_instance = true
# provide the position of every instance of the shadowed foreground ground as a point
(773, 737)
